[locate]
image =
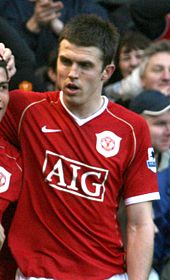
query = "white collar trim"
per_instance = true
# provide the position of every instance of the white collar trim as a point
(85, 120)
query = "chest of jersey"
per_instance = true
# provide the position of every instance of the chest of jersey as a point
(78, 159)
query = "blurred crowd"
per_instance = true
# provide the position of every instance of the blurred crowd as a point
(141, 81)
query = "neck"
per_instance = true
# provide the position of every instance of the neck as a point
(83, 112)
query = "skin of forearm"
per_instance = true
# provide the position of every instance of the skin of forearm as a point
(140, 251)
(2, 236)
(32, 25)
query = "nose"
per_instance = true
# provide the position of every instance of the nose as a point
(74, 71)
(168, 128)
(134, 61)
(166, 74)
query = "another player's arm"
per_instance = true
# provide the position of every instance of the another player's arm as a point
(140, 240)
(2, 236)
(3, 205)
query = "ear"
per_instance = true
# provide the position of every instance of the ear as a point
(51, 74)
(107, 72)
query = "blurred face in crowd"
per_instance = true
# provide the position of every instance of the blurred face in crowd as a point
(4, 94)
(128, 60)
(159, 127)
(157, 73)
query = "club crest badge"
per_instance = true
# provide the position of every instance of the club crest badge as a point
(108, 143)
(151, 162)
(4, 179)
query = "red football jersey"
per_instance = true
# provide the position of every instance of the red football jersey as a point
(10, 174)
(75, 171)
(10, 182)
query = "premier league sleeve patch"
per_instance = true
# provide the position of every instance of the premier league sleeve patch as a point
(108, 143)
(4, 179)
(151, 162)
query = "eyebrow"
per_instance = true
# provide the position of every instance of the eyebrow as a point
(4, 83)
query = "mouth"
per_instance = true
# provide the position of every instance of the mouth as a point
(71, 88)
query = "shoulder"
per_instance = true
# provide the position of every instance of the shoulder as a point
(125, 115)
(9, 154)
(21, 99)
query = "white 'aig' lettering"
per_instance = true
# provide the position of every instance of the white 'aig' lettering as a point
(74, 177)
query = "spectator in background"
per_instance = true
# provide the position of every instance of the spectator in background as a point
(154, 106)
(152, 73)
(129, 55)
(47, 75)
(39, 22)
(130, 51)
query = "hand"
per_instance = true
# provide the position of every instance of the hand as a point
(45, 12)
(7, 55)
(2, 236)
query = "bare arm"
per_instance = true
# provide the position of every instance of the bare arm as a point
(2, 236)
(140, 239)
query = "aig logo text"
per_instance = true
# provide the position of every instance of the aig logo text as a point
(74, 177)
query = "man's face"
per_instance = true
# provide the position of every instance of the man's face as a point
(80, 76)
(157, 73)
(159, 127)
(4, 94)
(129, 60)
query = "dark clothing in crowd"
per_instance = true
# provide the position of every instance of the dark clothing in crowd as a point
(24, 57)
(147, 16)
(18, 12)
(162, 220)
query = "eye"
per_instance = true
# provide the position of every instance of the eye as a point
(125, 58)
(157, 69)
(4, 86)
(85, 65)
(160, 123)
(139, 56)
(65, 61)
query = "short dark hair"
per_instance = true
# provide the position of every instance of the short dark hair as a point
(133, 40)
(92, 31)
(3, 64)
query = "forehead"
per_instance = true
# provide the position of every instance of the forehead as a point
(163, 117)
(79, 53)
(126, 50)
(162, 58)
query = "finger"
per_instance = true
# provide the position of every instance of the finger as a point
(2, 48)
(57, 5)
(6, 54)
(11, 67)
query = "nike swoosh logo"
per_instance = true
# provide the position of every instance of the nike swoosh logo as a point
(48, 130)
